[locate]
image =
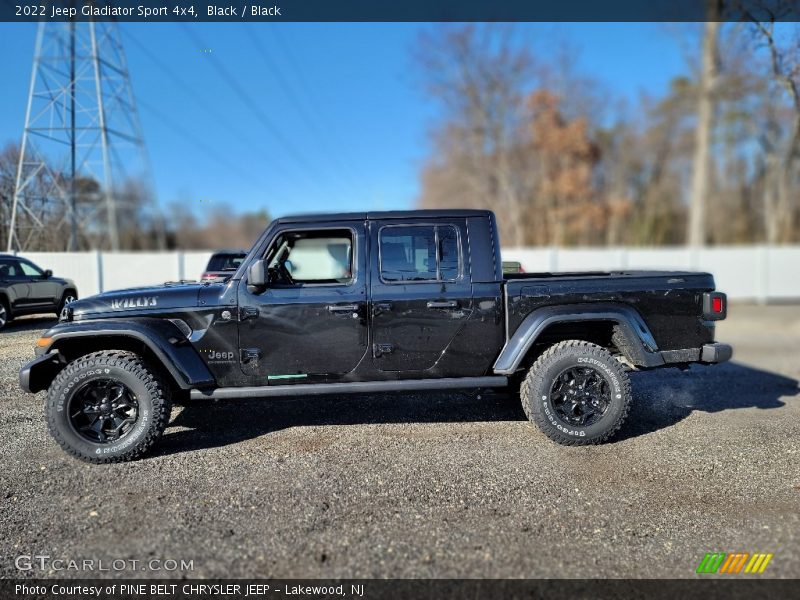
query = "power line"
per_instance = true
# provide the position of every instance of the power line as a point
(196, 97)
(195, 140)
(298, 103)
(254, 107)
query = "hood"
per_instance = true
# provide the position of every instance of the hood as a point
(137, 300)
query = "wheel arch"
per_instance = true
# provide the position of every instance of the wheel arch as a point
(608, 325)
(159, 342)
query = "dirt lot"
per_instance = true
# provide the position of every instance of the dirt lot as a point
(427, 485)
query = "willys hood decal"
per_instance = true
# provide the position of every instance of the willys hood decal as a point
(161, 297)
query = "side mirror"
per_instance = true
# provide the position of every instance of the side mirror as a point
(256, 274)
(47, 274)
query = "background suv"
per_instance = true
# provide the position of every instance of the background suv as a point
(26, 289)
(223, 264)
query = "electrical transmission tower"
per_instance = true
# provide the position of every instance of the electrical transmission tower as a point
(83, 168)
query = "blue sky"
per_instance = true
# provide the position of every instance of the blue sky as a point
(350, 116)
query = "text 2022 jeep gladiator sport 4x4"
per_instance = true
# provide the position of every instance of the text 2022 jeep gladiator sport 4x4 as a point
(370, 302)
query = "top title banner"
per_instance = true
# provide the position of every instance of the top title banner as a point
(396, 10)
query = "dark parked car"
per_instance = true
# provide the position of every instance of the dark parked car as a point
(370, 302)
(223, 264)
(26, 289)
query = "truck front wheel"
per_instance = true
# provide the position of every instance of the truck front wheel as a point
(577, 393)
(107, 407)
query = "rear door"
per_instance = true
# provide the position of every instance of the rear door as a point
(15, 283)
(310, 323)
(421, 291)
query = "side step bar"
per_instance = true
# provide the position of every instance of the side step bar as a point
(355, 387)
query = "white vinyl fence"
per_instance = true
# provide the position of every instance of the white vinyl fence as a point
(754, 273)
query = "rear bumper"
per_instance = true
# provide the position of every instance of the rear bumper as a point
(716, 353)
(709, 354)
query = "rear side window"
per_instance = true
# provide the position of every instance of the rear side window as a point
(225, 262)
(9, 268)
(417, 253)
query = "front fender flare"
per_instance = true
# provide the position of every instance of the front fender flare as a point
(641, 348)
(167, 343)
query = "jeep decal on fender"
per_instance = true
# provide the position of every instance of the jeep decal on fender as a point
(140, 302)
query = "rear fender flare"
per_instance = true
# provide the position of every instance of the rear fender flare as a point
(641, 348)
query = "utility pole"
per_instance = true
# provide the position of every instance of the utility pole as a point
(82, 145)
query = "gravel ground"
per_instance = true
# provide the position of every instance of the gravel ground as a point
(428, 485)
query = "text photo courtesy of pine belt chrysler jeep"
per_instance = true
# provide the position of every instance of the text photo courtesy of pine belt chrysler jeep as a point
(370, 302)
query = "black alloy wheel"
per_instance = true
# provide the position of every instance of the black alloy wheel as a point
(108, 406)
(103, 411)
(580, 396)
(577, 393)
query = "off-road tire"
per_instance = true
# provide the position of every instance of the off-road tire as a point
(536, 390)
(151, 393)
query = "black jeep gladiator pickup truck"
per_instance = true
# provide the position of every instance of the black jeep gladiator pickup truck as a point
(370, 302)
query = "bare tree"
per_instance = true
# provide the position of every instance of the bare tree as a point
(781, 168)
(479, 78)
(219, 229)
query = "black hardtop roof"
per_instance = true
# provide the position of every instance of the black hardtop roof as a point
(385, 215)
(230, 251)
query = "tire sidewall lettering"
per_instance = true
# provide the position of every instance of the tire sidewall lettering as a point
(128, 373)
(611, 377)
(549, 370)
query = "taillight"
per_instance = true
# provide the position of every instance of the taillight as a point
(715, 306)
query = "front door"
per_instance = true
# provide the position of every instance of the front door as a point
(310, 323)
(421, 294)
(43, 290)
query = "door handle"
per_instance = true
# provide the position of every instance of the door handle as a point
(248, 312)
(442, 304)
(343, 307)
(381, 307)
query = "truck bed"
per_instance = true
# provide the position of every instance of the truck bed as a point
(671, 300)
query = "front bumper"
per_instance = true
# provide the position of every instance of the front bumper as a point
(716, 353)
(36, 375)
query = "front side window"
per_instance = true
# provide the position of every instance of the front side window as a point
(311, 258)
(419, 253)
(30, 270)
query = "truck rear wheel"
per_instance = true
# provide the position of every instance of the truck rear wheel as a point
(107, 407)
(577, 393)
